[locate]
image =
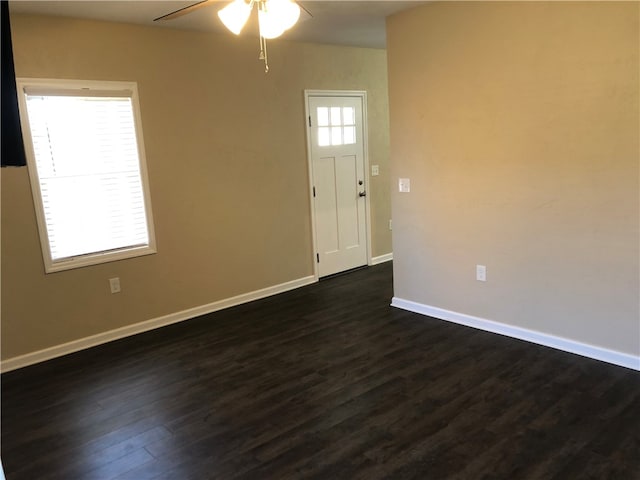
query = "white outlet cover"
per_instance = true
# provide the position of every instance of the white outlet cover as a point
(404, 185)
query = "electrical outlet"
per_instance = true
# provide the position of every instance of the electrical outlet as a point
(481, 273)
(375, 170)
(390, 224)
(114, 283)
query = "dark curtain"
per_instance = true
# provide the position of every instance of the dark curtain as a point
(11, 139)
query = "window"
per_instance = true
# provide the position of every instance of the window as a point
(336, 126)
(86, 162)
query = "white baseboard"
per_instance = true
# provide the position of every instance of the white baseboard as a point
(100, 338)
(387, 257)
(567, 345)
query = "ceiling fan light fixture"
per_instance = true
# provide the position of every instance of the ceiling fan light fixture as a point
(235, 15)
(270, 26)
(276, 16)
(290, 12)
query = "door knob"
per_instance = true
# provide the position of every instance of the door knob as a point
(362, 194)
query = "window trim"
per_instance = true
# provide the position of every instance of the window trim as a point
(98, 88)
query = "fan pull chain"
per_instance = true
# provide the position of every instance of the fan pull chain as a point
(263, 53)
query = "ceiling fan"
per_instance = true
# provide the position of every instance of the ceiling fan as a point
(274, 17)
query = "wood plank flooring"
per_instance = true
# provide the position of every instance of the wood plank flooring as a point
(324, 382)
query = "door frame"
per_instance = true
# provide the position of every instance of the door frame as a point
(362, 95)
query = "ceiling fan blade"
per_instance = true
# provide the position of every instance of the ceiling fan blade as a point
(183, 11)
(303, 8)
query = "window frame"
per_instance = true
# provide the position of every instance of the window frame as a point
(86, 86)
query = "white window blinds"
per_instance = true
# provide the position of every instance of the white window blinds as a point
(86, 154)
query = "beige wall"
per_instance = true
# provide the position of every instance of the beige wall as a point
(226, 154)
(517, 124)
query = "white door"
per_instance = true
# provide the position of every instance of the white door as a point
(338, 182)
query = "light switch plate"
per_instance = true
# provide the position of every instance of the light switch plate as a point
(404, 185)
(481, 273)
(114, 284)
(375, 170)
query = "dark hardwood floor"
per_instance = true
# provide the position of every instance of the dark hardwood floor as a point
(324, 382)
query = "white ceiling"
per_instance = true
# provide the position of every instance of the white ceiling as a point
(354, 23)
